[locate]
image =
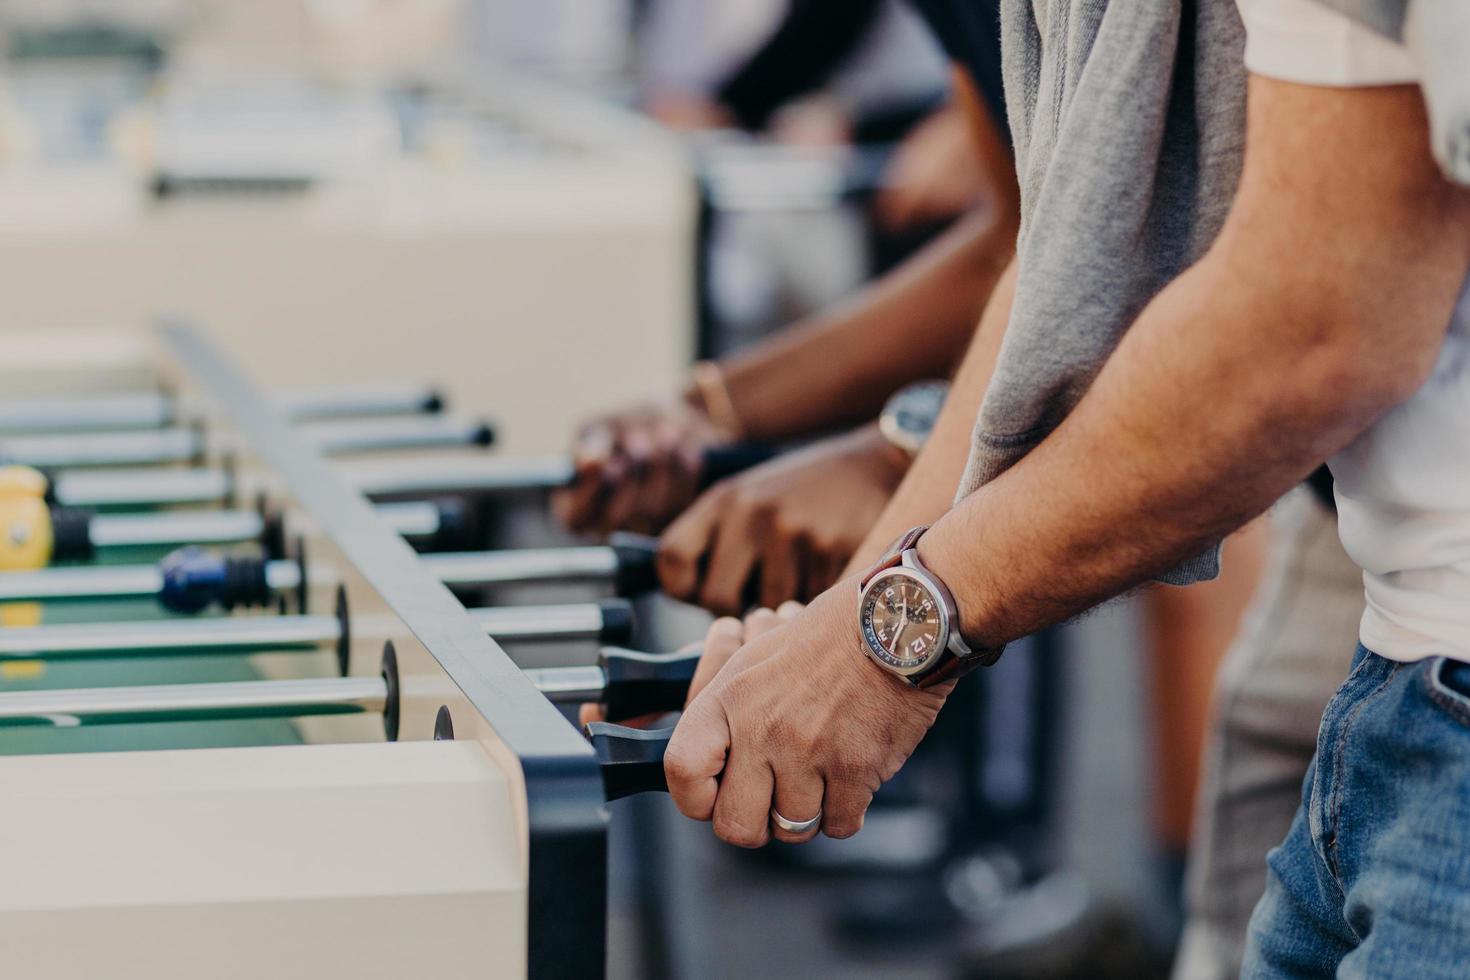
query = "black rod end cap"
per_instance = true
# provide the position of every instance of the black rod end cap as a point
(483, 435)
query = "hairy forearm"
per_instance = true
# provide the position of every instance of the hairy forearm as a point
(1218, 400)
(838, 368)
(1323, 303)
(928, 488)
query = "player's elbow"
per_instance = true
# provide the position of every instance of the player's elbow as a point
(1361, 364)
(1353, 329)
(1357, 299)
(1400, 371)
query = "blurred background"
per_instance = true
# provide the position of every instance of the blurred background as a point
(550, 208)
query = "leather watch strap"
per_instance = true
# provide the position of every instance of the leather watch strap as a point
(949, 668)
(895, 554)
(952, 666)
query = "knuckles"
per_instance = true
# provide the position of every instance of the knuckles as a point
(841, 829)
(854, 777)
(760, 621)
(748, 506)
(832, 547)
(719, 603)
(679, 765)
(734, 832)
(680, 772)
(674, 571)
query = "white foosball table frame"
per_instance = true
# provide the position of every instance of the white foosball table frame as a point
(474, 845)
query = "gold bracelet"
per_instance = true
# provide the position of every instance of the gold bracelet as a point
(709, 381)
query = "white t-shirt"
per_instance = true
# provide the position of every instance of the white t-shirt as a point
(1403, 487)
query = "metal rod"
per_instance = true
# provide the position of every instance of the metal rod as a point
(359, 401)
(474, 568)
(410, 519)
(594, 563)
(151, 447)
(82, 582)
(70, 708)
(573, 621)
(142, 410)
(155, 409)
(381, 478)
(283, 575)
(145, 486)
(150, 486)
(181, 445)
(250, 699)
(392, 435)
(193, 702)
(245, 634)
(227, 635)
(570, 685)
(168, 530)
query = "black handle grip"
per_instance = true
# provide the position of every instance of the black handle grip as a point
(726, 461)
(645, 683)
(458, 530)
(632, 759)
(636, 555)
(617, 621)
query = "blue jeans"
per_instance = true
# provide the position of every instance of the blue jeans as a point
(1373, 879)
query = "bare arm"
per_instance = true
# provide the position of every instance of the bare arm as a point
(838, 368)
(928, 488)
(800, 523)
(1323, 303)
(639, 467)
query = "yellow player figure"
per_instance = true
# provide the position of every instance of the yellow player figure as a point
(25, 520)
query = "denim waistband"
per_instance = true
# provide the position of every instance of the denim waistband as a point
(1359, 654)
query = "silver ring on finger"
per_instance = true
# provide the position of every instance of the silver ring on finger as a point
(795, 826)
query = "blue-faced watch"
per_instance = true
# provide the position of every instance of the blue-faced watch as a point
(909, 416)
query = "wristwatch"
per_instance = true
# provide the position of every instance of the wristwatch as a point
(909, 620)
(909, 416)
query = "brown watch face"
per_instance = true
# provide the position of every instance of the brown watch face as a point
(901, 622)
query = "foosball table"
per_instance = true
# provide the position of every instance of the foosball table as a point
(257, 715)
